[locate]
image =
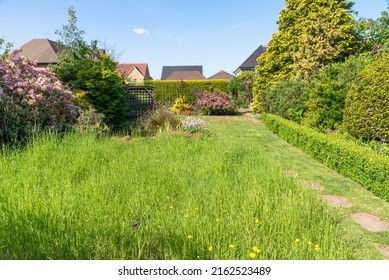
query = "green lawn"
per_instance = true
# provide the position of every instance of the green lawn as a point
(217, 197)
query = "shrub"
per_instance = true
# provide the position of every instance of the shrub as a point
(241, 88)
(287, 99)
(31, 100)
(89, 121)
(328, 91)
(216, 103)
(192, 125)
(168, 91)
(356, 162)
(160, 120)
(367, 102)
(180, 105)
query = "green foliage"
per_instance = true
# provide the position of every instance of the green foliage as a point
(287, 99)
(160, 120)
(168, 91)
(375, 33)
(71, 36)
(89, 121)
(328, 91)
(310, 35)
(5, 48)
(346, 157)
(91, 73)
(241, 88)
(367, 102)
(180, 105)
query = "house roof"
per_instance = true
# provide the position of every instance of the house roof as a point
(168, 70)
(43, 51)
(126, 69)
(251, 61)
(222, 75)
(185, 75)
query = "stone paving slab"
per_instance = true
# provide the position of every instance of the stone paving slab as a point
(384, 251)
(289, 173)
(337, 201)
(370, 222)
(313, 185)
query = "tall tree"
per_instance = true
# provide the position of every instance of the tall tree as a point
(311, 34)
(70, 35)
(90, 73)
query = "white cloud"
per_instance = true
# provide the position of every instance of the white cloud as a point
(141, 31)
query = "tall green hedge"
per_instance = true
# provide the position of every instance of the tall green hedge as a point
(358, 163)
(168, 91)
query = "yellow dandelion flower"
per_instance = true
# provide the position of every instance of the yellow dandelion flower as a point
(256, 249)
(317, 248)
(252, 255)
(196, 209)
(232, 246)
(171, 207)
(210, 248)
(296, 240)
(186, 216)
(309, 243)
(257, 221)
(190, 236)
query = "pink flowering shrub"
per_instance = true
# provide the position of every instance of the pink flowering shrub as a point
(216, 103)
(31, 100)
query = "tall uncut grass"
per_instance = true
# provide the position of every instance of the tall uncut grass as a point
(173, 197)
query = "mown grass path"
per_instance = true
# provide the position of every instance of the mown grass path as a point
(307, 171)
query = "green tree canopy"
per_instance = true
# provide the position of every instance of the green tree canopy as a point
(311, 34)
(90, 73)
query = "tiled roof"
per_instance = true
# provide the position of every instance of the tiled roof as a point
(185, 75)
(143, 68)
(222, 75)
(43, 51)
(168, 70)
(251, 61)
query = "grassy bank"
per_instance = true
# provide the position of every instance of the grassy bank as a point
(170, 197)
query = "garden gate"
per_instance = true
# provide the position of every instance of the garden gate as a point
(139, 100)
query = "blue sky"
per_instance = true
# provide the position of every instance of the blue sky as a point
(218, 34)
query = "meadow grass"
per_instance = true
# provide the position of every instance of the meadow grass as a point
(168, 197)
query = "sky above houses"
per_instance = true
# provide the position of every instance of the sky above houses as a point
(218, 34)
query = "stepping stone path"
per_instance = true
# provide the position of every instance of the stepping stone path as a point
(370, 222)
(289, 173)
(313, 185)
(337, 201)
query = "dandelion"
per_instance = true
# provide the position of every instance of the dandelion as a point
(171, 207)
(256, 249)
(196, 209)
(210, 248)
(231, 246)
(257, 221)
(317, 248)
(252, 255)
(189, 236)
(309, 243)
(296, 241)
(186, 216)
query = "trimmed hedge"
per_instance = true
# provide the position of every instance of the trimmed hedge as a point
(169, 91)
(346, 157)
